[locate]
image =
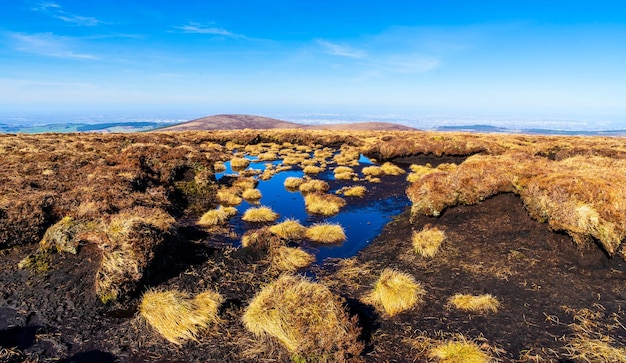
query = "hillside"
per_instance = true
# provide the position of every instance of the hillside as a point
(240, 122)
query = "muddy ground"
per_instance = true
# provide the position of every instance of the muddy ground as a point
(540, 277)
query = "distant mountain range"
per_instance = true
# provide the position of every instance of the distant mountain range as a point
(238, 122)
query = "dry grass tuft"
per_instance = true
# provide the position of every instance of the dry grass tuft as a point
(261, 239)
(306, 318)
(312, 169)
(259, 214)
(586, 349)
(229, 198)
(289, 259)
(326, 233)
(238, 164)
(293, 183)
(63, 236)
(324, 204)
(290, 229)
(372, 170)
(475, 303)
(459, 351)
(355, 191)
(395, 292)
(426, 243)
(251, 194)
(217, 216)
(392, 169)
(314, 185)
(177, 317)
(219, 167)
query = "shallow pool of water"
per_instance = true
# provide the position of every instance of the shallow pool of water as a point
(362, 218)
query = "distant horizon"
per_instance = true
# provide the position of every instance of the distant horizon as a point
(425, 121)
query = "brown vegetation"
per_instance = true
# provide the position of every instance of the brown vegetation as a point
(306, 318)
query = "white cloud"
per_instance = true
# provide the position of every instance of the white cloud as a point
(47, 44)
(55, 10)
(340, 49)
(197, 28)
(410, 63)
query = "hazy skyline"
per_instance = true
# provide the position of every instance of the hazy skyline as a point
(502, 58)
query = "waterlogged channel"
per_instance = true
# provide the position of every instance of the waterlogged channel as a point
(362, 218)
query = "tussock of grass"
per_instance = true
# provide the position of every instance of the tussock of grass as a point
(306, 318)
(314, 185)
(290, 229)
(326, 233)
(245, 183)
(176, 316)
(586, 349)
(293, 183)
(459, 351)
(324, 204)
(289, 259)
(355, 191)
(475, 303)
(251, 194)
(312, 169)
(343, 169)
(372, 170)
(426, 243)
(229, 198)
(217, 216)
(268, 156)
(371, 179)
(261, 239)
(395, 292)
(239, 164)
(392, 169)
(344, 176)
(219, 167)
(259, 214)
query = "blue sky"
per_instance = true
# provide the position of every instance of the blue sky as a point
(552, 59)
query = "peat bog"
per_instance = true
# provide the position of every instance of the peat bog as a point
(90, 223)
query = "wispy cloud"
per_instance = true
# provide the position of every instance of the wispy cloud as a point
(410, 63)
(197, 28)
(56, 11)
(47, 44)
(340, 49)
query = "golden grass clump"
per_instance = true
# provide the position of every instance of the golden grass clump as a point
(395, 292)
(426, 242)
(344, 176)
(245, 183)
(289, 259)
(343, 169)
(217, 216)
(259, 214)
(261, 239)
(289, 229)
(392, 169)
(293, 183)
(324, 204)
(355, 191)
(268, 156)
(306, 318)
(229, 198)
(63, 236)
(314, 185)
(475, 303)
(373, 170)
(312, 169)
(251, 194)
(176, 316)
(326, 233)
(239, 164)
(459, 351)
(219, 167)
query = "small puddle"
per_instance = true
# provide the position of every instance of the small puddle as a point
(362, 218)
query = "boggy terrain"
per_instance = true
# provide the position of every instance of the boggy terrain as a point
(119, 248)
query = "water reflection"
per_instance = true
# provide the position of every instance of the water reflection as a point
(362, 220)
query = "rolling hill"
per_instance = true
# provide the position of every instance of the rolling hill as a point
(237, 122)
